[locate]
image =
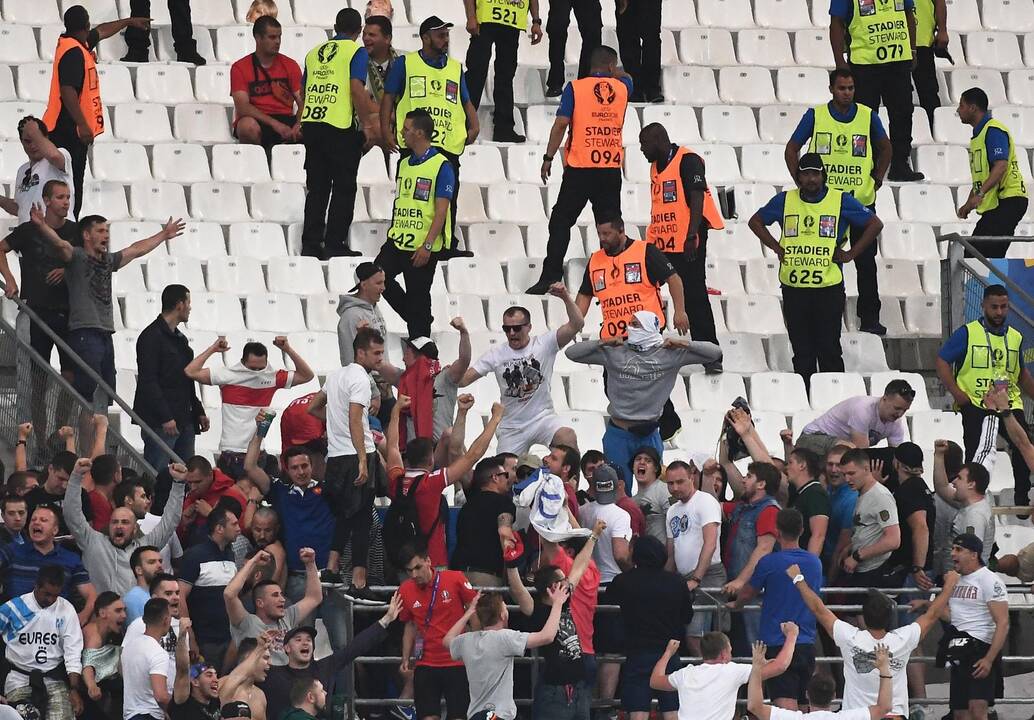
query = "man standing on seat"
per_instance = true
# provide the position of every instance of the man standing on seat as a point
(682, 211)
(854, 147)
(334, 104)
(639, 42)
(46, 162)
(138, 41)
(589, 16)
(591, 113)
(931, 35)
(499, 23)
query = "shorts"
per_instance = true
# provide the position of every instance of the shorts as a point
(636, 693)
(519, 440)
(793, 683)
(271, 137)
(59, 707)
(431, 684)
(963, 687)
(704, 620)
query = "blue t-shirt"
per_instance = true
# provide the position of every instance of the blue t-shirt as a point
(782, 602)
(805, 128)
(996, 142)
(844, 9)
(395, 83)
(306, 521)
(445, 184)
(135, 600)
(842, 499)
(852, 212)
(20, 564)
(357, 68)
(566, 108)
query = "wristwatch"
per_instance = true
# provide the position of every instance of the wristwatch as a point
(915, 569)
(799, 577)
(536, 21)
(428, 246)
(547, 158)
(857, 556)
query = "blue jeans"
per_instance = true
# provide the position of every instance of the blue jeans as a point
(620, 446)
(97, 350)
(552, 702)
(182, 443)
(332, 610)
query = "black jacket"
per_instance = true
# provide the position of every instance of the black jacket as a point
(163, 392)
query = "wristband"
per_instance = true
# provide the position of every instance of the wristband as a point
(857, 556)
(22, 442)
(694, 578)
(915, 569)
(887, 677)
(547, 158)
(536, 21)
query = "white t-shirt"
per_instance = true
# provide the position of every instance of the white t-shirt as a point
(861, 678)
(28, 184)
(142, 657)
(685, 528)
(969, 599)
(168, 643)
(524, 378)
(708, 691)
(344, 386)
(854, 714)
(244, 392)
(619, 525)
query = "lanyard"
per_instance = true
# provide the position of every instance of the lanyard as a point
(990, 349)
(434, 599)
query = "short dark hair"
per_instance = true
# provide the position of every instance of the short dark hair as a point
(768, 474)
(43, 129)
(590, 457)
(134, 559)
(216, 519)
(295, 451)
(11, 499)
(855, 456)
(254, 348)
(975, 96)
(52, 509)
(104, 469)
(514, 309)
(603, 55)
(611, 216)
(49, 185)
(877, 610)
(422, 121)
(996, 290)
(841, 72)
(810, 458)
(300, 688)
(247, 647)
(382, 22)
(979, 475)
(173, 295)
(365, 338)
(348, 21)
(544, 577)
(17, 481)
(490, 608)
(821, 690)
(790, 523)
(199, 463)
(103, 600)
(125, 491)
(680, 465)
(77, 19)
(415, 549)
(901, 388)
(712, 644)
(420, 451)
(64, 460)
(262, 584)
(572, 458)
(263, 24)
(157, 581)
(155, 611)
(86, 224)
(483, 470)
(51, 575)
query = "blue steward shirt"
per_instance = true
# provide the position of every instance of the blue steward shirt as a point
(781, 601)
(844, 9)
(445, 184)
(306, 521)
(954, 349)
(852, 212)
(395, 83)
(566, 108)
(805, 128)
(996, 142)
(20, 564)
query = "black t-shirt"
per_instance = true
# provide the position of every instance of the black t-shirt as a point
(655, 606)
(912, 496)
(71, 71)
(37, 259)
(477, 532)
(40, 496)
(811, 501)
(691, 170)
(563, 663)
(193, 710)
(658, 269)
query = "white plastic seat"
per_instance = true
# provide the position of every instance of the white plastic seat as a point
(145, 123)
(802, 85)
(474, 275)
(789, 14)
(701, 430)
(125, 233)
(878, 383)
(680, 121)
(201, 122)
(129, 279)
(105, 198)
(470, 205)
(321, 312)
(237, 275)
(508, 202)
(943, 163)
(31, 12)
(685, 84)
(908, 241)
(746, 85)
(167, 270)
(990, 81)
(763, 277)
(928, 427)
(498, 303)
(764, 47)
(34, 81)
(17, 44)
(706, 46)
(725, 13)
(274, 312)
(635, 202)
(141, 310)
(769, 425)
(750, 197)
(764, 163)
(469, 307)
(157, 201)
(829, 388)
(180, 162)
(523, 163)
(947, 128)
(754, 315)
(965, 16)
(120, 162)
(261, 241)
(1000, 50)
(278, 202)
(715, 392)
(212, 84)
(320, 350)
(899, 278)
(218, 202)
(776, 123)
(7, 89)
(483, 165)
(239, 163)
(923, 315)
(298, 40)
(863, 353)
(925, 203)
(811, 46)
(778, 392)
(288, 163)
(540, 121)
(200, 240)
(1021, 86)
(733, 124)
(215, 312)
(315, 12)
(586, 392)
(165, 45)
(12, 112)
(720, 163)
(743, 354)
(522, 274)
(165, 84)
(500, 241)
(1010, 15)
(298, 275)
(232, 43)
(725, 276)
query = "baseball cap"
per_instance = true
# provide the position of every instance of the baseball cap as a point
(910, 455)
(365, 271)
(308, 629)
(969, 541)
(198, 669)
(530, 460)
(423, 345)
(433, 23)
(235, 709)
(651, 453)
(811, 161)
(605, 481)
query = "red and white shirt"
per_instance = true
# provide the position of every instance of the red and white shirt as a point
(244, 392)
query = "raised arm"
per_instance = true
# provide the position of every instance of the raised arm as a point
(458, 368)
(755, 692)
(460, 468)
(318, 406)
(235, 610)
(813, 602)
(172, 229)
(557, 596)
(106, 30)
(885, 696)
(252, 469)
(62, 247)
(935, 610)
(744, 425)
(72, 509)
(313, 590)
(519, 592)
(196, 370)
(575, 319)
(779, 664)
(584, 557)
(162, 533)
(659, 674)
(302, 372)
(393, 457)
(181, 686)
(460, 625)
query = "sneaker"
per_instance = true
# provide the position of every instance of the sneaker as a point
(876, 328)
(193, 58)
(135, 57)
(904, 173)
(362, 596)
(541, 287)
(552, 92)
(333, 577)
(507, 136)
(403, 712)
(714, 368)
(713, 291)
(342, 252)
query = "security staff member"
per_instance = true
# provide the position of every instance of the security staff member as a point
(856, 153)
(75, 115)
(985, 353)
(499, 23)
(999, 193)
(430, 79)
(814, 221)
(592, 113)
(421, 223)
(682, 211)
(882, 36)
(333, 93)
(931, 32)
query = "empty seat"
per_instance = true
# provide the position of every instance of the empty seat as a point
(829, 388)
(706, 46)
(165, 47)
(929, 427)
(746, 85)
(17, 44)
(141, 310)
(218, 202)
(239, 163)
(212, 84)
(965, 17)
(34, 81)
(863, 353)
(788, 14)
(239, 275)
(508, 202)
(470, 204)
(157, 201)
(908, 241)
(274, 312)
(878, 383)
(802, 85)
(769, 425)
(216, 312)
(298, 40)
(701, 430)
(635, 202)
(31, 12)
(522, 274)
(743, 354)
(1021, 86)
(261, 241)
(472, 275)
(586, 392)
(687, 85)
(899, 278)
(811, 46)
(681, 122)
(764, 47)
(321, 312)
(990, 81)
(735, 242)
(483, 165)
(725, 276)
(469, 307)
(947, 128)
(765, 163)
(725, 13)
(315, 12)
(105, 198)
(925, 203)
(125, 233)
(720, 163)
(777, 123)
(288, 163)
(165, 84)
(778, 392)
(204, 123)
(145, 123)
(754, 315)
(278, 202)
(7, 90)
(501, 241)
(200, 240)
(732, 124)
(168, 270)
(715, 392)
(1000, 50)
(129, 279)
(1011, 15)
(943, 163)
(923, 315)
(180, 162)
(763, 277)
(120, 162)
(297, 275)
(751, 197)
(233, 42)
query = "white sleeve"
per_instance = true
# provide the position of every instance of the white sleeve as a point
(667, 524)
(910, 636)
(456, 648)
(158, 662)
(486, 363)
(710, 512)
(742, 672)
(861, 713)
(622, 526)
(842, 634)
(675, 679)
(72, 642)
(778, 713)
(359, 390)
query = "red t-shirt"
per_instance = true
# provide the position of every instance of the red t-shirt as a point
(454, 592)
(584, 598)
(271, 90)
(101, 511)
(297, 426)
(428, 505)
(766, 524)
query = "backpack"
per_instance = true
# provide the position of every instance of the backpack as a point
(401, 524)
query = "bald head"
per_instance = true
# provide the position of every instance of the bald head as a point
(654, 142)
(121, 526)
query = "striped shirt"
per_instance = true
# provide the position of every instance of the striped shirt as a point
(244, 392)
(40, 638)
(20, 564)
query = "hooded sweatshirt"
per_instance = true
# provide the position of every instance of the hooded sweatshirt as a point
(222, 486)
(354, 311)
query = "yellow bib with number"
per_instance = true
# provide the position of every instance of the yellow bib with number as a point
(810, 235)
(413, 213)
(879, 32)
(512, 13)
(1011, 185)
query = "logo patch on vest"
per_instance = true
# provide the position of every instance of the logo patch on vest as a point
(828, 226)
(790, 226)
(884, 515)
(599, 280)
(866, 7)
(899, 5)
(422, 191)
(669, 191)
(633, 273)
(417, 86)
(841, 141)
(604, 93)
(327, 52)
(452, 90)
(859, 145)
(823, 143)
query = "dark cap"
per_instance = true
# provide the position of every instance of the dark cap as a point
(910, 455)
(604, 483)
(423, 345)
(433, 23)
(969, 541)
(651, 453)
(235, 709)
(810, 161)
(307, 629)
(365, 271)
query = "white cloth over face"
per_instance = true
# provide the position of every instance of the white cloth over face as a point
(648, 334)
(545, 495)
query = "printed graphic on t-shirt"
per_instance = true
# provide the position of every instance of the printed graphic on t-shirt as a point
(523, 377)
(864, 661)
(567, 636)
(100, 279)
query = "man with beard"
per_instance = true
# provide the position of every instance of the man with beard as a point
(195, 694)
(145, 562)
(107, 556)
(241, 685)
(265, 533)
(166, 587)
(136, 494)
(308, 699)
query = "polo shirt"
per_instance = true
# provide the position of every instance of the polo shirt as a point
(20, 564)
(445, 606)
(306, 521)
(208, 570)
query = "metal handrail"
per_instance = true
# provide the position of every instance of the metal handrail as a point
(954, 308)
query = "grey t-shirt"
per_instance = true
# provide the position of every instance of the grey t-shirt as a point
(977, 519)
(488, 656)
(874, 511)
(654, 500)
(89, 290)
(944, 520)
(252, 627)
(445, 391)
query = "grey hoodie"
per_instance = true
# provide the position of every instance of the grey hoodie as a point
(354, 311)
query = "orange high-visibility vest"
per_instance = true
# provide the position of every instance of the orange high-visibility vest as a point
(622, 287)
(594, 138)
(89, 96)
(669, 211)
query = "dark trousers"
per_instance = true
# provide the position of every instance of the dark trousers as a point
(813, 318)
(77, 151)
(694, 287)
(1000, 222)
(182, 31)
(331, 164)
(414, 303)
(505, 40)
(599, 186)
(890, 83)
(97, 350)
(182, 443)
(454, 160)
(352, 504)
(972, 422)
(868, 288)
(588, 15)
(639, 43)
(924, 77)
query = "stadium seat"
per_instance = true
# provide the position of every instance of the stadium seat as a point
(764, 163)
(725, 276)
(201, 240)
(720, 163)
(232, 43)
(1021, 86)
(1010, 15)
(298, 40)
(706, 46)
(635, 203)
(157, 201)
(167, 270)
(681, 16)
(121, 163)
(586, 392)
(129, 279)
(165, 46)
(31, 12)
(474, 275)
(218, 202)
(750, 198)
(501, 241)
(538, 237)
(764, 47)
(514, 203)
(215, 312)
(800, 420)
(930, 426)
(202, 123)
(863, 353)
(701, 430)
(989, 80)
(735, 242)
(780, 354)
(314, 12)
(17, 44)
(925, 203)
(686, 85)
(733, 124)
(769, 425)
(274, 312)
(12, 112)
(523, 163)
(321, 312)
(288, 163)
(680, 122)
(34, 81)
(947, 128)
(965, 17)
(212, 84)
(320, 350)
(296, 275)
(829, 388)
(587, 425)
(802, 85)
(998, 50)
(483, 165)
(788, 14)
(778, 392)
(762, 277)
(165, 84)
(743, 354)
(908, 241)
(754, 315)
(945, 164)
(470, 205)
(236, 274)
(522, 273)
(923, 315)
(470, 307)
(776, 123)
(278, 202)
(125, 233)
(878, 383)
(745, 85)
(141, 310)
(239, 163)
(898, 278)
(180, 162)
(145, 123)
(811, 46)
(725, 13)
(107, 199)
(7, 89)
